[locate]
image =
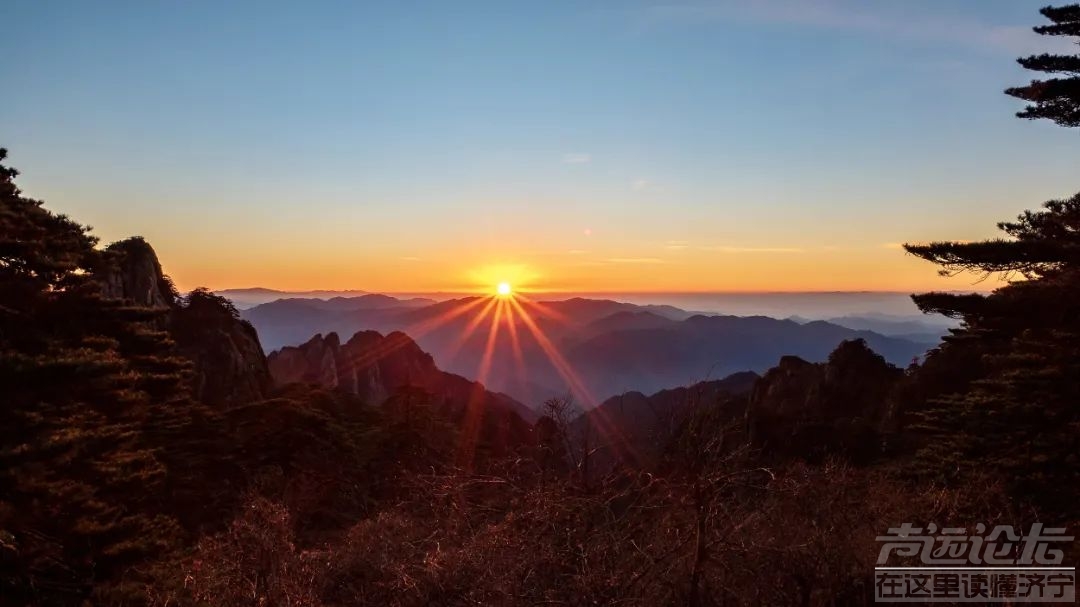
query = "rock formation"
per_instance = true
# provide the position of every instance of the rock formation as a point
(636, 428)
(810, 410)
(229, 366)
(135, 275)
(377, 368)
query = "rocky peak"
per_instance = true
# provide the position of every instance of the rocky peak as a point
(785, 389)
(859, 381)
(377, 367)
(811, 409)
(134, 274)
(229, 364)
(314, 362)
(369, 365)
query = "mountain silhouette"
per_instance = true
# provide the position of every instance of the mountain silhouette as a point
(229, 365)
(586, 348)
(634, 428)
(378, 368)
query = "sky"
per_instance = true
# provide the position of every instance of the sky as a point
(699, 145)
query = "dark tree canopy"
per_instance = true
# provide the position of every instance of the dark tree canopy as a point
(1056, 99)
(39, 250)
(1014, 413)
(97, 425)
(1042, 243)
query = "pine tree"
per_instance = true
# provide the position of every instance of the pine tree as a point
(1014, 411)
(96, 427)
(1056, 99)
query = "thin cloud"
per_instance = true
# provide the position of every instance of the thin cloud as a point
(676, 245)
(640, 184)
(577, 252)
(576, 158)
(878, 19)
(728, 249)
(634, 260)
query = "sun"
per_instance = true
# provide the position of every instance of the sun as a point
(503, 289)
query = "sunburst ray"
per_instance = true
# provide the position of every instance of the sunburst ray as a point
(474, 410)
(605, 425)
(476, 321)
(411, 333)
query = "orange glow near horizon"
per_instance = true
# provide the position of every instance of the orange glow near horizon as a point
(616, 263)
(872, 268)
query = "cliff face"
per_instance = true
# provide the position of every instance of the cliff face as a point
(636, 429)
(377, 368)
(369, 365)
(314, 362)
(135, 275)
(788, 390)
(809, 410)
(229, 366)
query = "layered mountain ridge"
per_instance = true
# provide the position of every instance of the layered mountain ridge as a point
(610, 347)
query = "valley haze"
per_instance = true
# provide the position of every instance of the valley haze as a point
(613, 346)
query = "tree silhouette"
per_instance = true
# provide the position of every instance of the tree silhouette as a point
(1017, 416)
(97, 430)
(1056, 99)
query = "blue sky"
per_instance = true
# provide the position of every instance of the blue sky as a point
(777, 144)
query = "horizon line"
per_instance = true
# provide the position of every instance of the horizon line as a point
(611, 292)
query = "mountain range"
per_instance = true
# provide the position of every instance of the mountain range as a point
(585, 348)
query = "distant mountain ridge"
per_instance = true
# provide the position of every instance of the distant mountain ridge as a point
(702, 346)
(924, 327)
(371, 301)
(253, 296)
(609, 346)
